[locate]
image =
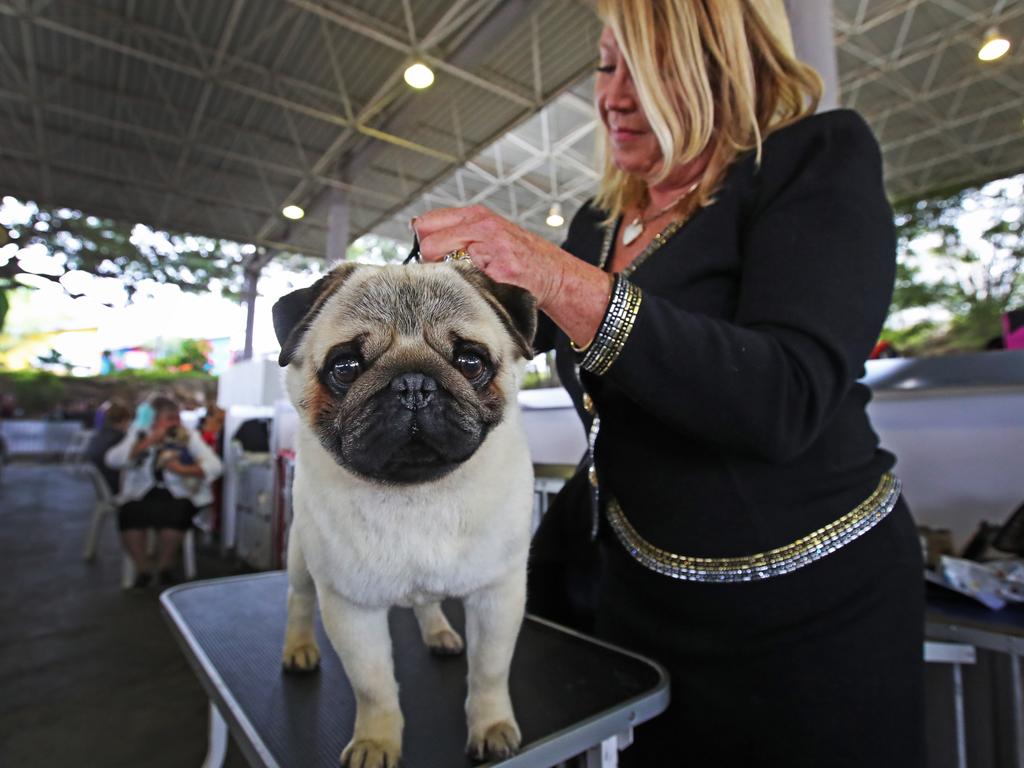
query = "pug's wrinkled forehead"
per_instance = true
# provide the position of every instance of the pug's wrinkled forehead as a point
(377, 307)
(387, 306)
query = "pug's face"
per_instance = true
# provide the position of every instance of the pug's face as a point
(401, 371)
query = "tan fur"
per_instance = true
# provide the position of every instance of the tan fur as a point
(361, 546)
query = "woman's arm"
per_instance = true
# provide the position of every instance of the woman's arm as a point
(207, 462)
(121, 454)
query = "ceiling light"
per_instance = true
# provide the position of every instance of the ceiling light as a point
(994, 47)
(555, 218)
(292, 212)
(419, 75)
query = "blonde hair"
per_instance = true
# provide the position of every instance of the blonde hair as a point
(718, 74)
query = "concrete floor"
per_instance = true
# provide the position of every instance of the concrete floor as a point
(89, 674)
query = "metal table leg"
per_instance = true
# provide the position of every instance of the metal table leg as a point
(961, 726)
(217, 740)
(1018, 709)
(956, 655)
(606, 754)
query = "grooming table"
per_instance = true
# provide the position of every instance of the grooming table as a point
(572, 694)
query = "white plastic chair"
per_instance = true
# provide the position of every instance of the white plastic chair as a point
(74, 453)
(106, 507)
(188, 558)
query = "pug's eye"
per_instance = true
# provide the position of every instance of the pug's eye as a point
(344, 370)
(470, 365)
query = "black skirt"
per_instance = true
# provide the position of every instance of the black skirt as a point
(820, 667)
(157, 509)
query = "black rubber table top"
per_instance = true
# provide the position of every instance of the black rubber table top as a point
(569, 692)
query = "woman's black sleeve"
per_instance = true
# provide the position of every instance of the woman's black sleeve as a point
(815, 285)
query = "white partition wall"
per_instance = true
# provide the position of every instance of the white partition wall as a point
(257, 381)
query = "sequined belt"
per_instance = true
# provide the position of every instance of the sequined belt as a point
(762, 565)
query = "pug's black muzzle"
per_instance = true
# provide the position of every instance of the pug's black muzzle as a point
(411, 431)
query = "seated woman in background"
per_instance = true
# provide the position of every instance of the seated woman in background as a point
(168, 470)
(116, 418)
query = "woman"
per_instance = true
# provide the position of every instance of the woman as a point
(114, 425)
(167, 472)
(711, 310)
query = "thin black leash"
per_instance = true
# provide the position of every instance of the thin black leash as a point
(414, 254)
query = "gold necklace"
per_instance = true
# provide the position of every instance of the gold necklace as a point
(635, 228)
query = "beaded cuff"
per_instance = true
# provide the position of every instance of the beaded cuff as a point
(614, 329)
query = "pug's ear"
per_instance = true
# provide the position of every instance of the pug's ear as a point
(515, 307)
(294, 313)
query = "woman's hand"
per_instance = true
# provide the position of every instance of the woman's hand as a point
(189, 470)
(147, 441)
(571, 292)
(503, 251)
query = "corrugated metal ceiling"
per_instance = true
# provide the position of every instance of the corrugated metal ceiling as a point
(210, 115)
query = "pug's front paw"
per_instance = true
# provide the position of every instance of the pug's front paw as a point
(445, 642)
(300, 656)
(496, 741)
(371, 753)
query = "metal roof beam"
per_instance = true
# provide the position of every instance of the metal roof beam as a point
(253, 159)
(212, 69)
(208, 201)
(175, 140)
(949, 125)
(923, 47)
(34, 89)
(380, 99)
(256, 93)
(456, 17)
(979, 167)
(339, 78)
(403, 47)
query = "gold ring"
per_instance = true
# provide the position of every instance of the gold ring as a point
(459, 254)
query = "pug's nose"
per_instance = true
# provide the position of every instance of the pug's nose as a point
(414, 390)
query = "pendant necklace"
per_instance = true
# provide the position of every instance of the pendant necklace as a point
(635, 228)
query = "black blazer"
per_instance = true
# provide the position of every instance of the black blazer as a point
(732, 422)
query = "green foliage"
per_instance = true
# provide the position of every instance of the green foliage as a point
(376, 250)
(106, 248)
(39, 393)
(973, 285)
(913, 337)
(53, 358)
(191, 355)
(35, 392)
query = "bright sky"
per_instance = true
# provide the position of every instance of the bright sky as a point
(157, 311)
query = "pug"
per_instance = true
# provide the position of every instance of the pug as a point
(413, 483)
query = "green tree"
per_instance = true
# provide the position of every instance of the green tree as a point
(54, 359)
(373, 249)
(191, 355)
(967, 287)
(106, 248)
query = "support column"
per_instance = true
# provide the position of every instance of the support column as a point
(337, 226)
(815, 43)
(252, 279)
